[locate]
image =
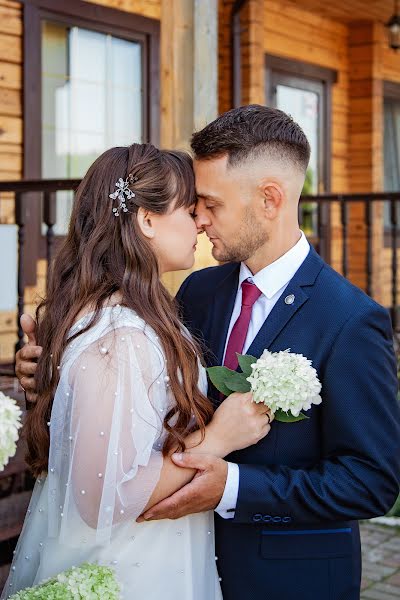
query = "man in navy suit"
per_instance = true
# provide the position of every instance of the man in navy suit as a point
(287, 508)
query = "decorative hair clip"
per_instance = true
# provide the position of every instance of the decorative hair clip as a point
(120, 193)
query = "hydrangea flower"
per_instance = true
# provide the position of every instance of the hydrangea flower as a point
(10, 422)
(285, 381)
(87, 582)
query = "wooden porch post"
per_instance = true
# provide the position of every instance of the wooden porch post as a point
(189, 68)
(366, 148)
(253, 54)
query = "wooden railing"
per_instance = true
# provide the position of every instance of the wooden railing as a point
(390, 237)
(44, 201)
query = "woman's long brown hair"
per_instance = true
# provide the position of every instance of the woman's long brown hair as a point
(103, 254)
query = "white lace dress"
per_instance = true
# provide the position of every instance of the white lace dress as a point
(105, 460)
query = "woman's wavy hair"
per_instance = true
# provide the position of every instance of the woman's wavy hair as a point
(103, 254)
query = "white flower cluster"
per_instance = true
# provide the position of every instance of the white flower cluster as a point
(285, 381)
(10, 422)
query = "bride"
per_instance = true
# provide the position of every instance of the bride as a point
(121, 387)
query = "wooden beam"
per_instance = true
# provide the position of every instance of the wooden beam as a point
(189, 65)
(205, 80)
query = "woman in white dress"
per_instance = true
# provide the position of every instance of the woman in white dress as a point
(121, 387)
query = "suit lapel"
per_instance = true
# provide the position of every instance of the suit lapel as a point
(224, 301)
(284, 311)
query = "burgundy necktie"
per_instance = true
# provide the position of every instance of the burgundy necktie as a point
(250, 293)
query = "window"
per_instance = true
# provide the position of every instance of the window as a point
(391, 150)
(303, 91)
(91, 100)
(91, 81)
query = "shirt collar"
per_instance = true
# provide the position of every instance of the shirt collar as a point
(278, 274)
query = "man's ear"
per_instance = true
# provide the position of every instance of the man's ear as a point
(273, 197)
(145, 223)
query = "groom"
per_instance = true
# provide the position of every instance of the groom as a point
(287, 508)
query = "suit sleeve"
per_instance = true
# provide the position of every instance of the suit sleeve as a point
(358, 475)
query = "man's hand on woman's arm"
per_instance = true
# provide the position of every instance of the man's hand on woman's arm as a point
(26, 359)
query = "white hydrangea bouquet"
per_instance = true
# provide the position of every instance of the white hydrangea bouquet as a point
(285, 382)
(10, 422)
(87, 582)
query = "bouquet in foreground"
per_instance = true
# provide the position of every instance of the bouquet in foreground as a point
(87, 582)
(284, 381)
(10, 422)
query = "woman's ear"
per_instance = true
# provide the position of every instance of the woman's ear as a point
(145, 223)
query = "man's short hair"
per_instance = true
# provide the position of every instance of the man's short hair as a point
(251, 131)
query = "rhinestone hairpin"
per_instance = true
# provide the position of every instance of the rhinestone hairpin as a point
(123, 193)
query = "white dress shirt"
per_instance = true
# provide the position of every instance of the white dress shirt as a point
(272, 281)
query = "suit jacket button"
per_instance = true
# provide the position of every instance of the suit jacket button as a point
(257, 517)
(287, 520)
(267, 518)
(277, 519)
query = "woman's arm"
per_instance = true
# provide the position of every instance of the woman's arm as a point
(237, 423)
(119, 399)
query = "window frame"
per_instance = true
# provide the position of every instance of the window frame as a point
(391, 93)
(105, 20)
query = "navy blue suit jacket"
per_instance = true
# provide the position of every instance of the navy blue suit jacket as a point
(302, 488)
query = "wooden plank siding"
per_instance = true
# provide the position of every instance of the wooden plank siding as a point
(11, 148)
(145, 8)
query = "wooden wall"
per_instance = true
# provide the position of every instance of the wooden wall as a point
(11, 150)
(146, 8)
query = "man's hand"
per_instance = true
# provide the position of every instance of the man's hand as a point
(203, 493)
(25, 360)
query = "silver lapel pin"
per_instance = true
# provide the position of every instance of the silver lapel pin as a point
(289, 299)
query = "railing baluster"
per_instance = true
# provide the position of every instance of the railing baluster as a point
(393, 228)
(20, 218)
(344, 217)
(49, 218)
(368, 258)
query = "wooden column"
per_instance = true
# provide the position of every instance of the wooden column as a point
(253, 57)
(365, 146)
(189, 67)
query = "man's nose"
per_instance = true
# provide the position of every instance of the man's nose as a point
(202, 220)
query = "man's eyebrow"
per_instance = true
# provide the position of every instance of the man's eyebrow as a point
(209, 197)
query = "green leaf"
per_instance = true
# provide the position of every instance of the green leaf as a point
(237, 382)
(217, 376)
(283, 417)
(245, 362)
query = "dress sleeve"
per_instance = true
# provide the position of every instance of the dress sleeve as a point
(111, 434)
